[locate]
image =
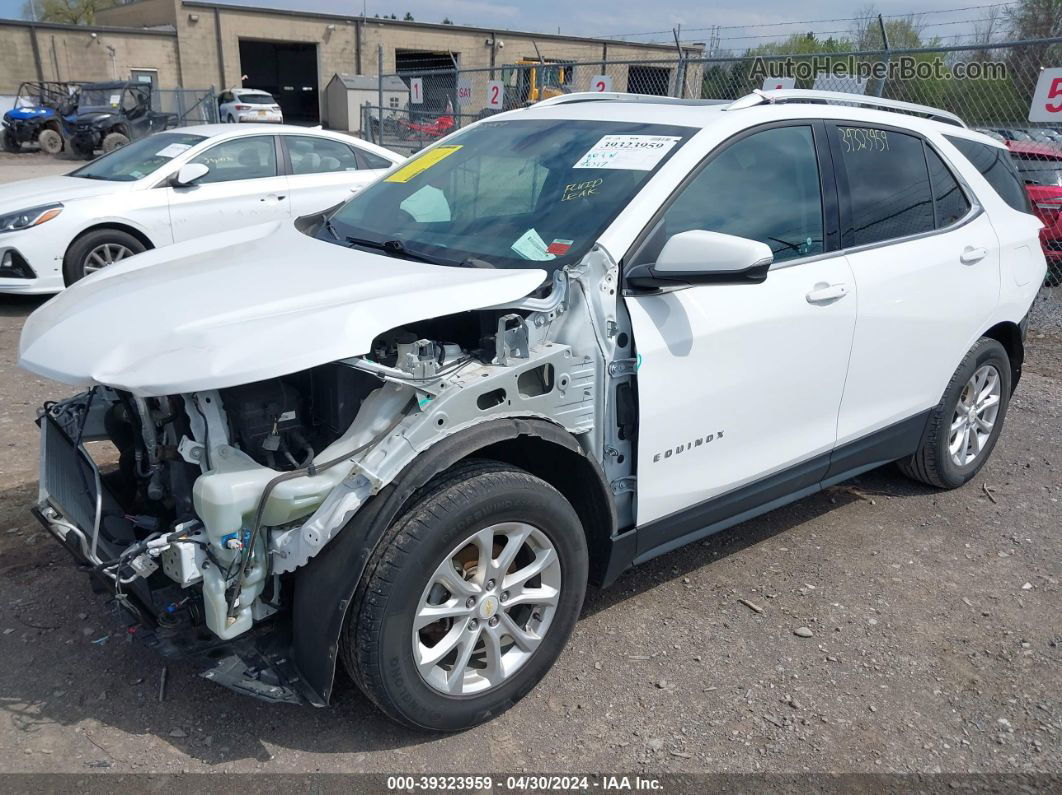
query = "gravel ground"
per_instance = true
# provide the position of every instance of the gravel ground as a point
(933, 639)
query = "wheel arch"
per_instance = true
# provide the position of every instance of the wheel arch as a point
(326, 586)
(1010, 336)
(116, 225)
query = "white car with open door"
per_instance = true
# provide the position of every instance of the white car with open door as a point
(170, 187)
(407, 432)
(242, 105)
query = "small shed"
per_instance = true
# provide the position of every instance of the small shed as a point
(345, 95)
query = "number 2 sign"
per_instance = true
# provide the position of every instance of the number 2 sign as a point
(495, 94)
(1047, 99)
(601, 83)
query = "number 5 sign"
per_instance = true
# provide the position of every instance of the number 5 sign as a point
(601, 83)
(1047, 99)
(495, 94)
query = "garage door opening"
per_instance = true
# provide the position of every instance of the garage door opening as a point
(436, 69)
(288, 71)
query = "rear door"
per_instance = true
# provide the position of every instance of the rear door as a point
(739, 384)
(926, 264)
(243, 187)
(323, 172)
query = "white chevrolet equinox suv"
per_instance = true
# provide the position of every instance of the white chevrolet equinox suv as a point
(402, 435)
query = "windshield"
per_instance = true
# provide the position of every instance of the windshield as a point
(507, 193)
(1039, 171)
(109, 98)
(136, 160)
(258, 98)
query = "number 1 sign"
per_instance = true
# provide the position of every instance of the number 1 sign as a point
(601, 83)
(495, 94)
(1047, 99)
(416, 90)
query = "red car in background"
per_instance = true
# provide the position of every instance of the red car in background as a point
(1040, 165)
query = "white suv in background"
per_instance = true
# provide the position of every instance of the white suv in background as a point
(408, 431)
(248, 104)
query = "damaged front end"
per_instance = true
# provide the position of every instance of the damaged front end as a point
(221, 497)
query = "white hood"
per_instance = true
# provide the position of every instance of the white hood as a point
(243, 306)
(28, 193)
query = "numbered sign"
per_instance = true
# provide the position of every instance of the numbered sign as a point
(601, 83)
(495, 94)
(774, 83)
(416, 90)
(1047, 99)
(464, 91)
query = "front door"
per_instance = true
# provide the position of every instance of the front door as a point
(741, 383)
(242, 188)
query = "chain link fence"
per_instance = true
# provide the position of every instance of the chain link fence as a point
(189, 105)
(989, 87)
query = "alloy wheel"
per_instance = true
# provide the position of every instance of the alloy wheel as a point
(103, 255)
(975, 415)
(486, 608)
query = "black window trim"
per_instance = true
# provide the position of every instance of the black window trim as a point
(290, 171)
(843, 194)
(827, 186)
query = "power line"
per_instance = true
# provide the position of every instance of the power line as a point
(820, 21)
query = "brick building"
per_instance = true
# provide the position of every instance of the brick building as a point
(195, 44)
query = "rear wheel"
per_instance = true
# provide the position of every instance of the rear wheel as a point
(965, 425)
(50, 142)
(230, 119)
(96, 250)
(114, 140)
(469, 598)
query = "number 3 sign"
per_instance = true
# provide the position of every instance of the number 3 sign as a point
(1047, 99)
(601, 83)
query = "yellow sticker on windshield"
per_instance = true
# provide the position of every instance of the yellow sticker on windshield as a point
(421, 164)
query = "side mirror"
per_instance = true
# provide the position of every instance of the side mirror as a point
(700, 257)
(189, 174)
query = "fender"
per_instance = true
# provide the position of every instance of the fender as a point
(325, 587)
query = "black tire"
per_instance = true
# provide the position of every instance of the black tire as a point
(376, 644)
(82, 150)
(76, 259)
(50, 141)
(112, 141)
(229, 119)
(11, 144)
(932, 463)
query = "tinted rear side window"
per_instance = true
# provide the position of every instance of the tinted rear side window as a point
(951, 202)
(889, 194)
(995, 164)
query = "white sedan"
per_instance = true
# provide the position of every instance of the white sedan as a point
(173, 186)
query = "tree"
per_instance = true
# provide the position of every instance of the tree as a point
(71, 12)
(408, 17)
(447, 21)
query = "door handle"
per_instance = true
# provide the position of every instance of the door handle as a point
(272, 197)
(824, 293)
(970, 255)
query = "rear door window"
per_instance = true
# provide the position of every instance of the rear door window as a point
(950, 203)
(888, 190)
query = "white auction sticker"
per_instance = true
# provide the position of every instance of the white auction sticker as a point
(628, 152)
(173, 150)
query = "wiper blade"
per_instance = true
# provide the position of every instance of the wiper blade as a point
(396, 248)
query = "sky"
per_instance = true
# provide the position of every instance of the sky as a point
(757, 21)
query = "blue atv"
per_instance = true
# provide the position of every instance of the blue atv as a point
(37, 117)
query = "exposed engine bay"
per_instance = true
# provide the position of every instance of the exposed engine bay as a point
(220, 495)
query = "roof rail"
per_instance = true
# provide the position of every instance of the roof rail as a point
(619, 96)
(758, 97)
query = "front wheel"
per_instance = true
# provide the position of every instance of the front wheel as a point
(96, 250)
(469, 598)
(964, 427)
(112, 141)
(11, 143)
